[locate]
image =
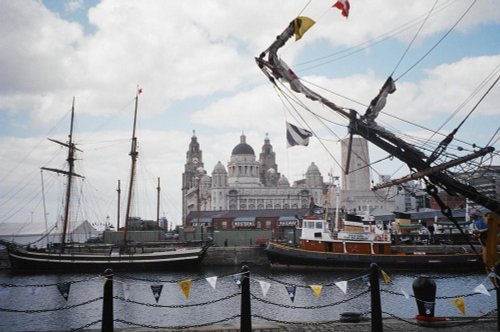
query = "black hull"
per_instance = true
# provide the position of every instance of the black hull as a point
(294, 257)
(24, 261)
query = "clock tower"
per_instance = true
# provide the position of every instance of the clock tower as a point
(194, 161)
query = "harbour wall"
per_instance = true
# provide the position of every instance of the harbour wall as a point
(235, 256)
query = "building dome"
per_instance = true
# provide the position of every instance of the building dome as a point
(283, 181)
(312, 168)
(243, 148)
(219, 168)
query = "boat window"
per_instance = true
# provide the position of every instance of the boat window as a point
(319, 225)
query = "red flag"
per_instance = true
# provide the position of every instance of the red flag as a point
(139, 91)
(344, 6)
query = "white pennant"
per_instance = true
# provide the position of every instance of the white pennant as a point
(405, 294)
(342, 285)
(212, 281)
(126, 291)
(264, 285)
(481, 289)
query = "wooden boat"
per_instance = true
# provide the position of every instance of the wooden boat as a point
(358, 245)
(126, 255)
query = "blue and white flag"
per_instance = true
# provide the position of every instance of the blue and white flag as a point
(296, 135)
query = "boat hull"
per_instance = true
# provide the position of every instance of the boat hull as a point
(23, 260)
(279, 254)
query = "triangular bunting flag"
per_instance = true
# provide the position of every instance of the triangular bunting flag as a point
(342, 285)
(64, 289)
(264, 285)
(156, 289)
(237, 279)
(482, 289)
(405, 294)
(185, 286)
(316, 289)
(459, 302)
(126, 291)
(212, 281)
(291, 292)
(386, 277)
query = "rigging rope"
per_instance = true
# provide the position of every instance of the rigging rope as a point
(438, 42)
(414, 37)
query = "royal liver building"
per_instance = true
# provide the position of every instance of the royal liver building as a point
(245, 183)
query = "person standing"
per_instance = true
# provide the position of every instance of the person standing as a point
(480, 228)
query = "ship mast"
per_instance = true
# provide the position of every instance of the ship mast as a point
(70, 173)
(133, 155)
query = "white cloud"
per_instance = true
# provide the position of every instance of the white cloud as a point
(201, 54)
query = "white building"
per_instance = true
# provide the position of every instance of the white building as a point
(245, 183)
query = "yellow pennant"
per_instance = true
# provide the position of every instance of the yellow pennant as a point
(300, 25)
(386, 277)
(459, 302)
(185, 286)
(105, 280)
(316, 289)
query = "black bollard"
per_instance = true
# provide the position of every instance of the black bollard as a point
(107, 302)
(375, 299)
(424, 289)
(246, 311)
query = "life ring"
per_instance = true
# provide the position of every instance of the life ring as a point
(462, 250)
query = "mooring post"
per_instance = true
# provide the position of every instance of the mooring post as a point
(246, 311)
(375, 299)
(424, 289)
(107, 302)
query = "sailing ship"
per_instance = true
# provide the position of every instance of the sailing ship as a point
(352, 247)
(127, 255)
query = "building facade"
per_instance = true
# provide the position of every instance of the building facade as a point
(245, 183)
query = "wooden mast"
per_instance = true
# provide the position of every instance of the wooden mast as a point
(133, 155)
(69, 173)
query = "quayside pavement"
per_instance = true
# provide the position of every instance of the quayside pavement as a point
(392, 325)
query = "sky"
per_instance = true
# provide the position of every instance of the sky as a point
(195, 62)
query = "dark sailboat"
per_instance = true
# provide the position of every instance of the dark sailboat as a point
(126, 255)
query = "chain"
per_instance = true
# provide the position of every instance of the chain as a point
(54, 309)
(165, 281)
(470, 321)
(304, 286)
(296, 323)
(176, 306)
(180, 328)
(310, 307)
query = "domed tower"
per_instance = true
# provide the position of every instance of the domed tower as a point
(283, 182)
(243, 169)
(267, 160)
(314, 181)
(219, 187)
